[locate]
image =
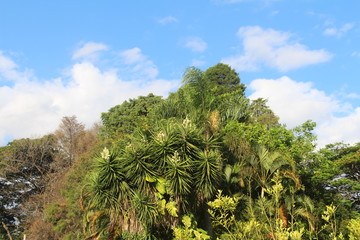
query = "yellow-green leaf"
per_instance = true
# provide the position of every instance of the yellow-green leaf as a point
(171, 208)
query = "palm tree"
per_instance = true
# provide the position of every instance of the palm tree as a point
(109, 193)
(179, 177)
(182, 151)
(207, 173)
(264, 164)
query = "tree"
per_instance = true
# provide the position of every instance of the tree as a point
(215, 93)
(25, 166)
(165, 160)
(223, 79)
(159, 173)
(261, 113)
(264, 164)
(126, 117)
(68, 135)
(337, 168)
(198, 90)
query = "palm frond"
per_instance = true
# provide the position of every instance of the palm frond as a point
(178, 173)
(145, 210)
(207, 173)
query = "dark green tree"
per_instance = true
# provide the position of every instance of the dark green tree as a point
(261, 113)
(223, 79)
(126, 117)
(337, 168)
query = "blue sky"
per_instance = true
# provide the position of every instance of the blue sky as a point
(61, 58)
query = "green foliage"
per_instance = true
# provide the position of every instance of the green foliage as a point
(205, 163)
(304, 142)
(233, 107)
(354, 228)
(222, 212)
(171, 208)
(66, 214)
(132, 114)
(189, 231)
(275, 138)
(337, 167)
(129, 184)
(223, 79)
(261, 113)
(331, 222)
(202, 93)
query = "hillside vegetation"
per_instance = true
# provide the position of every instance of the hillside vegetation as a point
(204, 163)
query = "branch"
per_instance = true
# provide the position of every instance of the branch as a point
(7, 231)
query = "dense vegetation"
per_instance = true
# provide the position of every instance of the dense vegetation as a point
(205, 163)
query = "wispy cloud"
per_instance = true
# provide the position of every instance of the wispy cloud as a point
(330, 27)
(30, 108)
(355, 54)
(139, 63)
(89, 50)
(9, 70)
(296, 102)
(274, 13)
(167, 20)
(196, 44)
(274, 49)
(338, 32)
(352, 96)
(198, 62)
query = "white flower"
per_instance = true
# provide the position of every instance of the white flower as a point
(105, 154)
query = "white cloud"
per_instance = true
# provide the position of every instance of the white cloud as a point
(296, 102)
(89, 50)
(140, 64)
(167, 20)
(274, 49)
(6, 63)
(338, 32)
(196, 44)
(352, 96)
(133, 55)
(340, 129)
(32, 108)
(9, 70)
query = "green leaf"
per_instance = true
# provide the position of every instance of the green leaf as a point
(161, 188)
(186, 220)
(162, 206)
(172, 209)
(150, 179)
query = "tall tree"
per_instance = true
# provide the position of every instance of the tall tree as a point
(68, 135)
(126, 117)
(223, 79)
(261, 113)
(337, 168)
(171, 168)
(217, 91)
